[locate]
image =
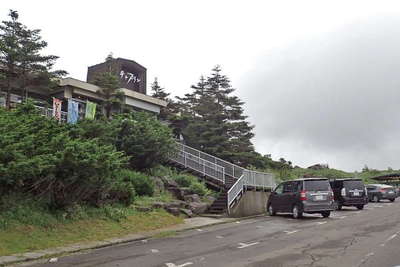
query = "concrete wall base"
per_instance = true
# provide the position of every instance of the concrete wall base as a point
(251, 203)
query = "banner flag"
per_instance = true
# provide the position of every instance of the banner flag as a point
(90, 110)
(73, 112)
(57, 108)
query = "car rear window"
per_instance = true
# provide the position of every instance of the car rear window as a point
(317, 185)
(354, 184)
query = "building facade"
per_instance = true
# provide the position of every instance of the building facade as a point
(132, 78)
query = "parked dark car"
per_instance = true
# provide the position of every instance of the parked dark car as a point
(349, 192)
(377, 192)
(308, 195)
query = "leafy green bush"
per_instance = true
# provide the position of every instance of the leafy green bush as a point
(186, 180)
(142, 184)
(39, 156)
(144, 139)
(199, 188)
(139, 135)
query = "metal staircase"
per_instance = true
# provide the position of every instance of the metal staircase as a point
(232, 180)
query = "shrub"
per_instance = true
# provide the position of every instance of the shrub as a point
(185, 180)
(142, 184)
(199, 188)
(139, 135)
(145, 139)
(39, 156)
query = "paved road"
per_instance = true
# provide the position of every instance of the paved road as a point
(368, 238)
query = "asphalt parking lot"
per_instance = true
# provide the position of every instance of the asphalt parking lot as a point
(350, 237)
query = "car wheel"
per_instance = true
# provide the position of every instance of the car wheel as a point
(271, 210)
(392, 199)
(375, 199)
(325, 214)
(297, 213)
(360, 207)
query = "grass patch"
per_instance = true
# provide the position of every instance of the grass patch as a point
(27, 225)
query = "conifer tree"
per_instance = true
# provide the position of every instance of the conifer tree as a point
(216, 123)
(160, 93)
(109, 89)
(23, 65)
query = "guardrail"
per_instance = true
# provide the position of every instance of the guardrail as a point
(200, 165)
(48, 112)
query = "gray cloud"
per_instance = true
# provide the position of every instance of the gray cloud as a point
(331, 98)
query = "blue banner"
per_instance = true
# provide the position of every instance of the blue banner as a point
(73, 111)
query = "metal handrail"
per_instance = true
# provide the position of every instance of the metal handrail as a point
(235, 190)
(252, 178)
(200, 165)
(48, 112)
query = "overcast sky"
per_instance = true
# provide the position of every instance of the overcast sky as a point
(321, 79)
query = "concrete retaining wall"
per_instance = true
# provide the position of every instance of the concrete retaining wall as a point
(251, 203)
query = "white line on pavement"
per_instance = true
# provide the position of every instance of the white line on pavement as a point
(169, 264)
(219, 236)
(199, 230)
(154, 250)
(321, 223)
(291, 232)
(244, 245)
(390, 238)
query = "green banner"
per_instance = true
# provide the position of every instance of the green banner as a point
(90, 110)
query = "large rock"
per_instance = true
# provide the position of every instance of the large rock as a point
(169, 182)
(143, 209)
(210, 199)
(158, 205)
(173, 211)
(159, 185)
(198, 208)
(177, 192)
(177, 204)
(192, 198)
(187, 212)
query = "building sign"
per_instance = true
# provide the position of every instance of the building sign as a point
(129, 77)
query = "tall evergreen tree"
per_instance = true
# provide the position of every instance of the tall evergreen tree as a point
(109, 89)
(21, 60)
(217, 124)
(160, 93)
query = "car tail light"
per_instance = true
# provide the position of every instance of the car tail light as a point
(343, 192)
(382, 190)
(331, 196)
(303, 195)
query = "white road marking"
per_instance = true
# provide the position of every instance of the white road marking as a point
(244, 245)
(53, 260)
(237, 222)
(321, 223)
(390, 238)
(219, 236)
(154, 250)
(342, 217)
(144, 241)
(199, 230)
(259, 226)
(291, 232)
(366, 258)
(169, 264)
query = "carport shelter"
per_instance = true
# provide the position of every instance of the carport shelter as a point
(392, 179)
